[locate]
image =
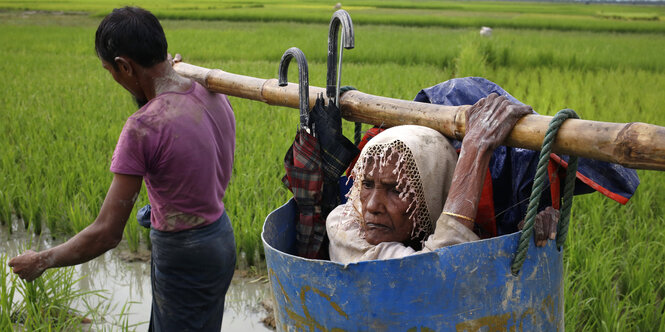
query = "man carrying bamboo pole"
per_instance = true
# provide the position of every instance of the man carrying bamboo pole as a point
(181, 141)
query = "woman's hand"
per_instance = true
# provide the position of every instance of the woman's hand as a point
(491, 119)
(488, 124)
(544, 227)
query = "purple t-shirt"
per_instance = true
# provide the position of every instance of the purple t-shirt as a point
(182, 144)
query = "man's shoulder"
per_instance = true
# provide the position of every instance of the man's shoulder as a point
(197, 95)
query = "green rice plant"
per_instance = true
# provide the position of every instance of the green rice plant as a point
(630, 16)
(610, 265)
(560, 16)
(44, 303)
(48, 303)
(227, 41)
(78, 215)
(7, 290)
(134, 233)
(5, 207)
(122, 322)
(472, 61)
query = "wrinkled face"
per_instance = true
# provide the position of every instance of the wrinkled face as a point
(385, 215)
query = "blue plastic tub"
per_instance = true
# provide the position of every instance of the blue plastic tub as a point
(467, 287)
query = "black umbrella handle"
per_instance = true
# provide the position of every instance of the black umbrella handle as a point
(295, 52)
(348, 41)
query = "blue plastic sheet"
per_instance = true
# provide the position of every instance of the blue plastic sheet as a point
(513, 169)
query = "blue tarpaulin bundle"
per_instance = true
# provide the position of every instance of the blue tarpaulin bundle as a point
(513, 169)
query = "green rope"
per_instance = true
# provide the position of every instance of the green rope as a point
(538, 187)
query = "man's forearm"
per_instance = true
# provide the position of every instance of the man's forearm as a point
(103, 234)
(92, 242)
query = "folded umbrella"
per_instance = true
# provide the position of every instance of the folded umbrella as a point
(303, 166)
(336, 150)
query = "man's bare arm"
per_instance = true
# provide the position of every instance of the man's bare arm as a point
(103, 234)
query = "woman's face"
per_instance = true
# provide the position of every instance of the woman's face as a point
(385, 214)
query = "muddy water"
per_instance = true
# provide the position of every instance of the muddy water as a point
(127, 290)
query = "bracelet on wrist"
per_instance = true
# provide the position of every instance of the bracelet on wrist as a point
(459, 216)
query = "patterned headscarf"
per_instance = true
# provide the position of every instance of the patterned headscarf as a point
(425, 165)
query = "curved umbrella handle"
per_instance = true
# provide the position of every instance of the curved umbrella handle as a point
(348, 41)
(295, 52)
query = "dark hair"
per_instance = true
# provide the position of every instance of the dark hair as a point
(132, 32)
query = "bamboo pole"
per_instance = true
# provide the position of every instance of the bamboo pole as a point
(635, 145)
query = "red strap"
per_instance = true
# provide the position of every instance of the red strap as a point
(591, 183)
(485, 218)
(555, 183)
(369, 134)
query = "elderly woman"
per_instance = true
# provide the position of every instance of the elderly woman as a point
(411, 192)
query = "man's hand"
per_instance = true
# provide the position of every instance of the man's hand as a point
(544, 227)
(173, 60)
(491, 119)
(28, 266)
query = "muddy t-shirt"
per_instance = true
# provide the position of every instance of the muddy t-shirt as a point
(182, 144)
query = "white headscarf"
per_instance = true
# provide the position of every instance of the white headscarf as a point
(425, 165)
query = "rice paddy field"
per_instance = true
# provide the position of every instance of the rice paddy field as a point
(61, 114)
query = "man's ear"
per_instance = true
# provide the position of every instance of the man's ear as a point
(124, 65)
